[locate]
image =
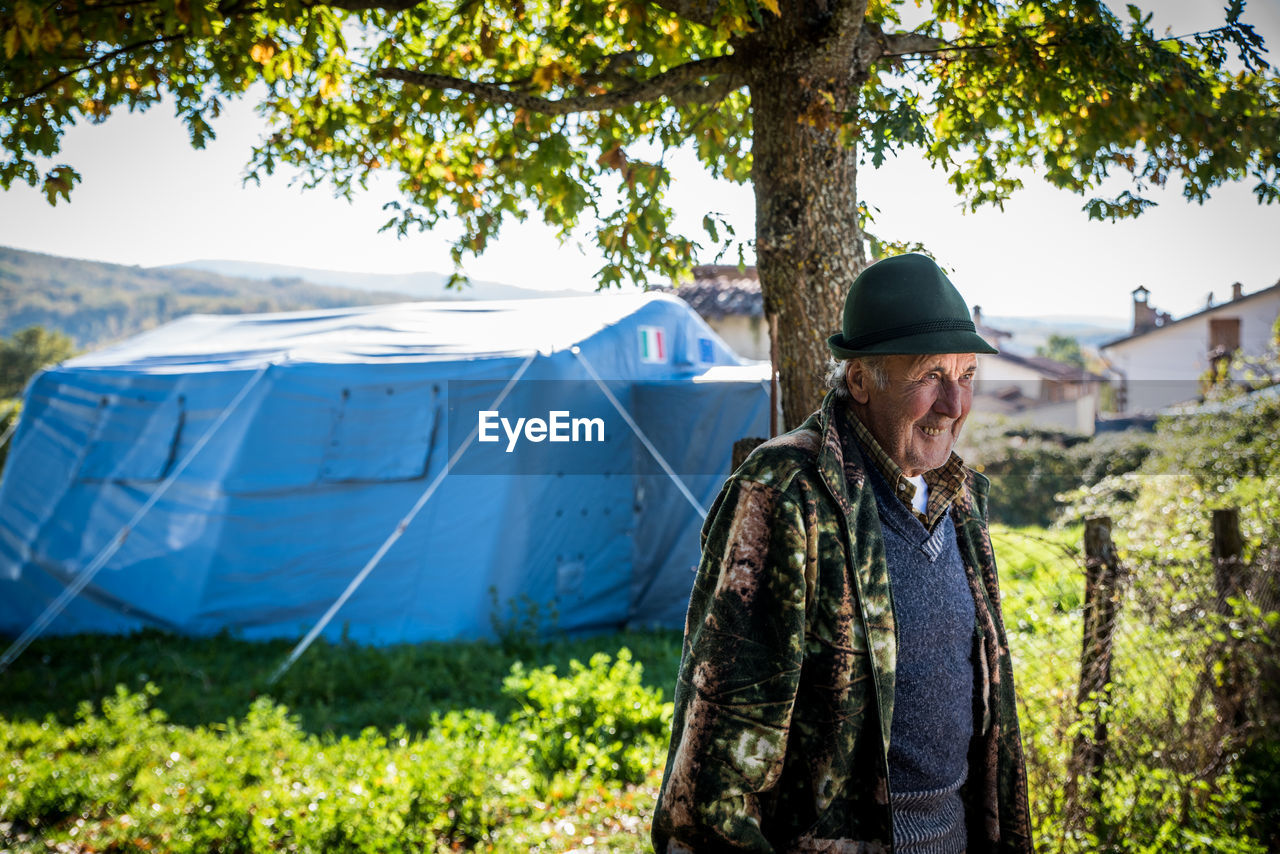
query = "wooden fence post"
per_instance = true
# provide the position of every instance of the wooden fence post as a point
(1266, 578)
(1229, 578)
(1102, 578)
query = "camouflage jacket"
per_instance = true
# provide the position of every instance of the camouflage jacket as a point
(785, 692)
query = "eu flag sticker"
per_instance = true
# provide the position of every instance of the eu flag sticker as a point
(706, 353)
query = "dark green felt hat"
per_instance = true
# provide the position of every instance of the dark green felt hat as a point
(905, 304)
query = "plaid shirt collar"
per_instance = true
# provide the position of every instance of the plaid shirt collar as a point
(944, 482)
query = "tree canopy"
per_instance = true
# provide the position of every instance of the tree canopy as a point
(26, 352)
(1063, 348)
(488, 110)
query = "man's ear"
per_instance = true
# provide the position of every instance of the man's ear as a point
(858, 381)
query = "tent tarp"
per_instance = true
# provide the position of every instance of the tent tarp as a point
(358, 409)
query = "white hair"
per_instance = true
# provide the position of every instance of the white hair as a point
(838, 369)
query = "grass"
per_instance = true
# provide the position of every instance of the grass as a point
(338, 688)
(496, 750)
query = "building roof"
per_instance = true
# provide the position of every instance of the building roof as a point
(990, 334)
(1051, 369)
(1206, 310)
(721, 290)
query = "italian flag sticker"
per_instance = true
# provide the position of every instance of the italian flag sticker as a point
(652, 346)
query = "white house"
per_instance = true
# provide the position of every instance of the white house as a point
(1161, 362)
(730, 301)
(1034, 389)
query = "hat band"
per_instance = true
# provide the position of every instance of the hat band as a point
(873, 338)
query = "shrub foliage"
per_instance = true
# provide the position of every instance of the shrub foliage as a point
(122, 776)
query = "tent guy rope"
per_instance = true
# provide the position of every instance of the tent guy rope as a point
(399, 530)
(644, 440)
(81, 580)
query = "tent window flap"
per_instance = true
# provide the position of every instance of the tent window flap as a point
(135, 439)
(381, 433)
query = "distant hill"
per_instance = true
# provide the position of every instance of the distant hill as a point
(418, 285)
(1031, 332)
(97, 303)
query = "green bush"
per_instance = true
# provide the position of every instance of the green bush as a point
(599, 722)
(1175, 812)
(1260, 764)
(462, 778)
(1029, 467)
(123, 777)
(26, 352)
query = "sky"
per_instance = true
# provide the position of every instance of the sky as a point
(147, 198)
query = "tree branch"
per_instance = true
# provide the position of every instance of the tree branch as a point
(873, 43)
(913, 43)
(683, 84)
(903, 44)
(22, 99)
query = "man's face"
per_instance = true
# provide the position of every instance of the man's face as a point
(918, 416)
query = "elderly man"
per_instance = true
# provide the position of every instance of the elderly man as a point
(846, 684)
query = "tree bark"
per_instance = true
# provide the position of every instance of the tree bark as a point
(806, 72)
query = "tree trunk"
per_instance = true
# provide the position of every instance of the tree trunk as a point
(808, 245)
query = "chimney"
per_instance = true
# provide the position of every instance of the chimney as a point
(1144, 316)
(1208, 301)
(977, 315)
(1237, 290)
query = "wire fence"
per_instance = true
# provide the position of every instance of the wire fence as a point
(1142, 678)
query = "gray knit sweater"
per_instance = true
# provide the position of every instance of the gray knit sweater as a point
(933, 690)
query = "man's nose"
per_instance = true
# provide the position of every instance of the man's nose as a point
(948, 402)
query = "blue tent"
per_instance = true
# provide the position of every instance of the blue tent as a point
(238, 472)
